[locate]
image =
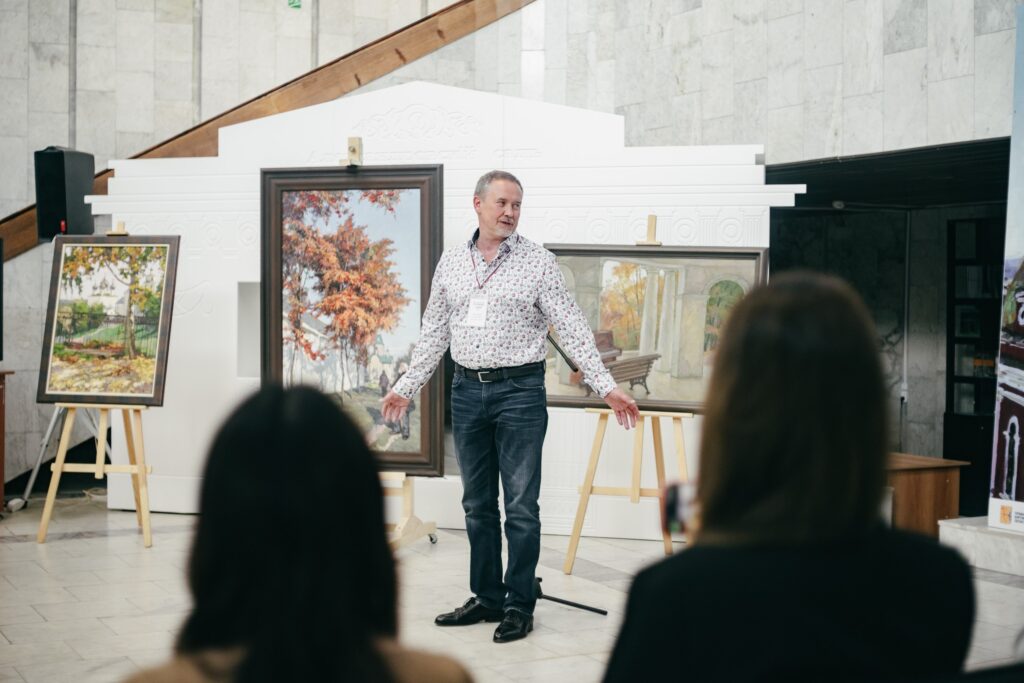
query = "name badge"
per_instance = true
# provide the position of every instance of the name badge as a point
(477, 316)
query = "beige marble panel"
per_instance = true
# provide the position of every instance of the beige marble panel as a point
(863, 29)
(96, 67)
(823, 112)
(48, 21)
(719, 131)
(784, 139)
(48, 78)
(687, 118)
(993, 84)
(533, 18)
(556, 23)
(717, 75)
(950, 39)
(823, 33)
(97, 23)
(906, 25)
(14, 42)
(863, 130)
(749, 111)
(683, 34)
(774, 9)
(135, 44)
(785, 62)
(171, 118)
(174, 11)
(716, 16)
(950, 110)
(14, 106)
(906, 99)
(750, 42)
(993, 15)
(173, 42)
(15, 154)
(135, 101)
(293, 58)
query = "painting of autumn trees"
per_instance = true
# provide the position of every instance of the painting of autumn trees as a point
(347, 256)
(108, 320)
(342, 298)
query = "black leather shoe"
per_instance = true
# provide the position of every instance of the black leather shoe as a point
(514, 626)
(473, 612)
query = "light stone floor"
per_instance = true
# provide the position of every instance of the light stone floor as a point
(93, 605)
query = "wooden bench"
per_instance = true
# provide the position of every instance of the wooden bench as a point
(633, 370)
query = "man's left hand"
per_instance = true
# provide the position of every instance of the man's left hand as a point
(624, 406)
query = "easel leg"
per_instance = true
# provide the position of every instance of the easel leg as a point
(129, 438)
(659, 466)
(57, 468)
(588, 486)
(638, 454)
(101, 442)
(140, 456)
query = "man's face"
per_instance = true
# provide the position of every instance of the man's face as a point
(498, 209)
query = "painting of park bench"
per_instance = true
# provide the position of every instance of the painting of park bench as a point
(657, 313)
(108, 321)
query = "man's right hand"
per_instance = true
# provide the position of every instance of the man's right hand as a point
(393, 406)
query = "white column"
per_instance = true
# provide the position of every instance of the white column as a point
(666, 328)
(649, 319)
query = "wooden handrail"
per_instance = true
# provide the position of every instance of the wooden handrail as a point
(323, 84)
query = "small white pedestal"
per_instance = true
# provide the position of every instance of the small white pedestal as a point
(983, 546)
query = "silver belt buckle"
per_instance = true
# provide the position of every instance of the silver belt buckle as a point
(480, 377)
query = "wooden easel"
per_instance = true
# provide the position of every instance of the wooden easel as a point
(136, 457)
(634, 491)
(409, 527)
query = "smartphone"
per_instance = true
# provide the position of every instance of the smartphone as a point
(677, 509)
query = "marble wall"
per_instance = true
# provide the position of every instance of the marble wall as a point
(808, 78)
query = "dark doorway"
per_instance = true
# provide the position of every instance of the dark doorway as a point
(883, 222)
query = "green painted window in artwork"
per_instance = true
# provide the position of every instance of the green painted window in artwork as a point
(721, 298)
(295, 4)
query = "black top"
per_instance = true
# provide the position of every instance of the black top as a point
(892, 605)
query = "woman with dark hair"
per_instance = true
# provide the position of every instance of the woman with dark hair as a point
(291, 574)
(791, 573)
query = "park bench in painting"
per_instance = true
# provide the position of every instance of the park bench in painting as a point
(633, 370)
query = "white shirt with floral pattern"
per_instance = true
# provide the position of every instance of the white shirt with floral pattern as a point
(525, 292)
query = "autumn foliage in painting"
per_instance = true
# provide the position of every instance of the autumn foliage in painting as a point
(340, 277)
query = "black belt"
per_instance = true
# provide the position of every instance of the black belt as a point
(498, 374)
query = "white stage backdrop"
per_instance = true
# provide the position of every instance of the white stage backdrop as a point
(582, 186)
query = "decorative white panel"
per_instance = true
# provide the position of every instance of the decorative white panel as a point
(582, 186)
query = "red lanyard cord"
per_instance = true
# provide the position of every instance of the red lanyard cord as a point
(480, 285)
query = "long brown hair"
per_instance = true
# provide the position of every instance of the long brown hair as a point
(795, 430)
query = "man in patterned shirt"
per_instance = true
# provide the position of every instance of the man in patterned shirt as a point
(491, 301)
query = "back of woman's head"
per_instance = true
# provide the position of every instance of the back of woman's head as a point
(290, 561)
(794, 439)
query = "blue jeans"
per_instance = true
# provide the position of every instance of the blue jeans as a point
(499, 429)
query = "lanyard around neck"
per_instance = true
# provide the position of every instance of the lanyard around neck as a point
(476, 276)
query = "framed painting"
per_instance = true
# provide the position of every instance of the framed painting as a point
(657, 313)
(108, 320)
(348, 256)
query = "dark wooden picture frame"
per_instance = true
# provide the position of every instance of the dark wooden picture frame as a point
(633, 348)
(93, 350)
(322, 202)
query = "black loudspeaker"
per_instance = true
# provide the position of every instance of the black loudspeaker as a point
(63, 178)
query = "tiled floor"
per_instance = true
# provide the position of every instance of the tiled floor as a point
(93, 605)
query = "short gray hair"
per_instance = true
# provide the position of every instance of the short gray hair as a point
(487, 178)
